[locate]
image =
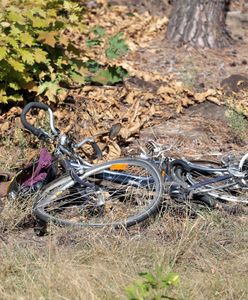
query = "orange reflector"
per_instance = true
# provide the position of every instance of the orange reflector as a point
(163, 173)
(119, 167)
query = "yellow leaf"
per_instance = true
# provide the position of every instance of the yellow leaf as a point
(14, 16)
(26, 38)
(64, 40)
(12, 42)
(3, 52)
(40, 56)
(26, 56)
(39, 22)
(16, 65)
(48, 38)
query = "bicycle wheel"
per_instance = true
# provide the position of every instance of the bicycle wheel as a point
(201, 169)
(118, 193)
(211, 179)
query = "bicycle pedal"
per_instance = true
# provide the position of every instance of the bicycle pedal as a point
(150, 147)
(153, 147)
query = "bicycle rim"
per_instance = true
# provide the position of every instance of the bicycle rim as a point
(118, 193)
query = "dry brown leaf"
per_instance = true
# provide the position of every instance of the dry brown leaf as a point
(4, 127)
(214, 100)
(200, 97)
(166, 90)
(15, 111)
(124, 133)
(186, 102)
(114, 151)
(130, 97)
(179, 109)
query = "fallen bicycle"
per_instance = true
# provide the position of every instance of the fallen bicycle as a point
(68, 190)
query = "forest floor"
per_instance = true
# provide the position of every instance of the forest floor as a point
(207, 251)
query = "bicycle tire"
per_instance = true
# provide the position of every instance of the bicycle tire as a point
(49, 207)
(190, 178)
(180, 168)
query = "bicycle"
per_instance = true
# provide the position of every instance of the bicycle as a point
(209, 182)
(118, 193)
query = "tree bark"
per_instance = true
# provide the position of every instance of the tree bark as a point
(200, 23)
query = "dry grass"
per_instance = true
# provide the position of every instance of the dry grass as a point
(15, 215)
(209, 253)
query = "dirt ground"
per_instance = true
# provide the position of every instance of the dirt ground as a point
(206, 126)
(197, 68)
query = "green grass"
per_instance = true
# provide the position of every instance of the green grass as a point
(238, 123)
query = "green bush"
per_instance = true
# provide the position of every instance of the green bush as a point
(115, 48)
(37, 53)
(237, 122)
(152, 287)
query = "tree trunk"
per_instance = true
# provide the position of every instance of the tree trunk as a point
(200, 23)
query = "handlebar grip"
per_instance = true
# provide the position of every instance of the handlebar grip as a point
(36, 131)
(97, 150)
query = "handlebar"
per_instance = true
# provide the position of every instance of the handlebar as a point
(40, 133)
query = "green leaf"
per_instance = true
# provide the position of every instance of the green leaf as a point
(92, 65)
(102, 77)
(43, 87)
(77, 78)
(117, 47)
(3, 52)
(15, 31)
(32, 49)
(16, 65)
(27, 56)
(15, 98)
(111, 75)
(151, 279)
(171, 279)
(52, 12)
(16, 17)
(93, 42)
(138, 291)
(73, 18)
(40, 23)
(26, 38)
(12, 42)
(99, 31)
(70, 6)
